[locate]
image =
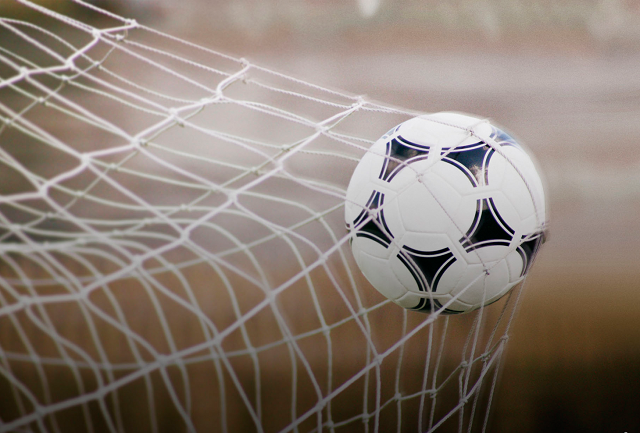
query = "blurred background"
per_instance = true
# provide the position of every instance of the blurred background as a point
(564, 77)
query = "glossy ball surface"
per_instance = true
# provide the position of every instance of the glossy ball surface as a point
(446, 213)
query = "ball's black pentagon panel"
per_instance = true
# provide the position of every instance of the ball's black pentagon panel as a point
(401, 152)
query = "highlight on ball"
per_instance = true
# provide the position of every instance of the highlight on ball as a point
(446, 212)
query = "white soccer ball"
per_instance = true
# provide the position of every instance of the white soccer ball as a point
(446, 213)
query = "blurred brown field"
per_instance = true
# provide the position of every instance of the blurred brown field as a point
(572, 95)
(266, 372)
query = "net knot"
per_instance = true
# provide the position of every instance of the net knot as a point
(85, 159)
(209, 99)
(140, 142)
(360, 102)
(136, 260)
(40, 410)
(232, 196)
(23, 71)
(173, 113)
(322, 128)
(25, 300)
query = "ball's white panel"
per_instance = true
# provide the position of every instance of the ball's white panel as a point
(476, 287)
(357, 203)
(361, 185)
(403, 274)
(501, 293)
(426, 241)
(504, 210)
(412, 300)
(409, 300)
(378, 271)
(449, 129)
(359, 191)
(515, 265)
(454, 306)
(392, 215)
(451, 277)
(434, 205)
(520, 186)
(482, 130)
(419, 131)
(368, 247)
(487, 254)
(377, 153)
(452, 175)
(496, 170)
(455, 277)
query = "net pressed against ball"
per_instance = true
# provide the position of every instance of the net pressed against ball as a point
(446, 213)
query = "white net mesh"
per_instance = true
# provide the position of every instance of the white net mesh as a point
(173, 255)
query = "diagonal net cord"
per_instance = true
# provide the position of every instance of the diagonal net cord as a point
(172, 240)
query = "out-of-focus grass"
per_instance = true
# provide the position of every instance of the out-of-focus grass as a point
(68, 350)
(572, 363)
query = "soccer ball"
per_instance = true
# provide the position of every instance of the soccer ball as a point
(446, 213)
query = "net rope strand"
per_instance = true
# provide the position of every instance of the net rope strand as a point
(176, 235)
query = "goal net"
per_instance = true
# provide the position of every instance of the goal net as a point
(173, 252)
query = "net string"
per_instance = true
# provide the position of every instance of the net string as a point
(129, 256)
